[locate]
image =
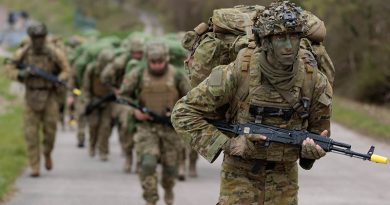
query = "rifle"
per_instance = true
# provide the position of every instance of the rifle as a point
(92, 106)
(295, 137)
(111, 97)
(165, 120)
(42, 74)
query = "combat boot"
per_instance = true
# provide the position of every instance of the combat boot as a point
(92, 151)
(48, 162)
(192, 169)
(128, 163)
(81, 139)
(103, 157)
(168, 197)
(34, 171)
(182, 170)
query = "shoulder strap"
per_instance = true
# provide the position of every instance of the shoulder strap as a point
(243, 64)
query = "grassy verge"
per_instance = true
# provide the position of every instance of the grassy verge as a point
(367, 119)
(12, 149)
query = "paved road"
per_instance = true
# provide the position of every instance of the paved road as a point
(79, 180)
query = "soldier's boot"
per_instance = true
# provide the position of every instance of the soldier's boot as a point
(182, 171)
(103, 157)
(92, 151)
(128, 164)
(34, 171)
(48, 162)
(168, 197)
(192, 169)
(81, 140)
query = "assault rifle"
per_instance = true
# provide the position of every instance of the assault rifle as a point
(96, 104)
(166, 120)
(42, 74)
(111, 97)
(294, 137)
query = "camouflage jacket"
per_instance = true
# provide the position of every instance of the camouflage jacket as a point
(214, 96)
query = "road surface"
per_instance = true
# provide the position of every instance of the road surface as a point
(79, 180)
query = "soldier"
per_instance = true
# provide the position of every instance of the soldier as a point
(41, 102)
(272, 82)
(100, 121)
(112, 75)
(158, 86)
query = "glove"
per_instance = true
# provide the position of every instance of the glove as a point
(310, 150)
(23, 74)
(242, 145)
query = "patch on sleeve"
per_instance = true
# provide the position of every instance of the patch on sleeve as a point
(215, 78)
(325, 99)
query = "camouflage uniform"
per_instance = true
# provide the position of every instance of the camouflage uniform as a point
(234, 92)
(113, 75)
(100, 120)
(156, 142)
(41, 100)
(84, 55)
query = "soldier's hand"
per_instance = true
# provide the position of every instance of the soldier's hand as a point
(311, 150)
(239, 146)
(70, 101)
(140, 116)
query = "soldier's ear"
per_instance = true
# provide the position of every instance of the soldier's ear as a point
(266, 44)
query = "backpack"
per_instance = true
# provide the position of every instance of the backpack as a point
(230, 30)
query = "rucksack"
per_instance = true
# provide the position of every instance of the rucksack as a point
(230, 30)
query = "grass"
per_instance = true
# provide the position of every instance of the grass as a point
(367, 119)
(12, 148)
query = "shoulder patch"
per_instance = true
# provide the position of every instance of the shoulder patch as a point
(325, 99)
(215, 78)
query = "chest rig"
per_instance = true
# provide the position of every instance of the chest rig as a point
(98, 88)
(258, 101)
(159, 93)
(44, 61)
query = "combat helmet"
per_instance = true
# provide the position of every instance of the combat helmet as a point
(37, 29)
(105, 56)
(157, 50)
(136, 44)
(279, 17)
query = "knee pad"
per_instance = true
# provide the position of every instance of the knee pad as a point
(170, 171)
(148, 164)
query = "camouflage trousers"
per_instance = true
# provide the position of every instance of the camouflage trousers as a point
(81, 119)
(157, 143)
(121, 114)
(33, 121)
(275, 183)
(100, 126)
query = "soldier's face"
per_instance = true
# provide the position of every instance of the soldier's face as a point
(157, 66)
(285, 48)
(137, 55)
(38, 43)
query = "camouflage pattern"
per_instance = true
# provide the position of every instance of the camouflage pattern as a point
(41, 105)
(229, 93)
(231, 33)
(100, 120)
(155, 142)
(113, 75)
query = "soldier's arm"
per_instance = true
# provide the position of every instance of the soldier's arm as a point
(87, 84)
(320, 112)
(62, 62)
(201, 103)
(108, 75)
(10, 69)
(129, 84)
